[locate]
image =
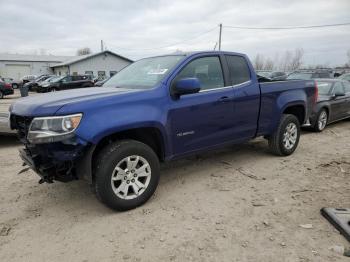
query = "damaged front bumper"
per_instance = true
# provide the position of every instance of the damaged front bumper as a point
(62, 161)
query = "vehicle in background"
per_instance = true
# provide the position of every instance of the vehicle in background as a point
(272, 75)
(27, 78)
(5, 89)
(14, 84)
(263, 73)
(156, 109)
(32, 85)
(345, 77)
(100, 83)
(278, 76)
(307, 75)
(65, 83)
(333, 103)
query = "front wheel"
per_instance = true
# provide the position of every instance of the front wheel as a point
(286, 138)
(126, 175)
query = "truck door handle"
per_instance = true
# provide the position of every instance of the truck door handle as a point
(224, 99)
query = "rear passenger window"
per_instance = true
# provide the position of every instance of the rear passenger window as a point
(207, 70)
(239, 70)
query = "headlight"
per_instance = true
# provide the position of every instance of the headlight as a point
(53, 129)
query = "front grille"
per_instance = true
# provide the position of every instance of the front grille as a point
(21, 123)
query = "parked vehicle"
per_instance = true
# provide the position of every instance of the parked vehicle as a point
(278, 76)
(345, 77)
(5, 89)
(27, 78)
(15, 84)
(333, 103)
(32, 85)
(273, 76)
(100, 83)
(156, 109)
(65, 82)
(306, 75)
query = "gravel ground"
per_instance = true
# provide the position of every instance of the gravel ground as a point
(236, 204)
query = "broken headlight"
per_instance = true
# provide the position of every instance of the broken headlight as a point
(53, 129)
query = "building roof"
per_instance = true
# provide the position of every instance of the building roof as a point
(84, 57)
(34, 58)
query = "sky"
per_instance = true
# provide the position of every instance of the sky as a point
(143, 28)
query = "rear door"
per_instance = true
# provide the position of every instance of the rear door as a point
(246, 97)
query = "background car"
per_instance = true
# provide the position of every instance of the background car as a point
(345, 77)
(278, 76)
(5, 89)
(306, 75)
(66, 82)
(27, 78)
(32, 85)
(100, 83)
(333, 103)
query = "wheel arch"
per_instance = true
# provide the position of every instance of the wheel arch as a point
(150, 136)
(298, 110)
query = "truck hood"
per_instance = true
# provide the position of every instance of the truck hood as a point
(50, 103)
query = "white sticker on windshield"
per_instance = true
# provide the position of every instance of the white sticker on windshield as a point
(157, 71)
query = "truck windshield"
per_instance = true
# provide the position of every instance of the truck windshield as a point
(145, 73)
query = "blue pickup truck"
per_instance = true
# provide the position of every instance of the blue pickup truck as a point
(156, 109)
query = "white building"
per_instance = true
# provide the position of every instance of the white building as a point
(101, 65)
(16, 66)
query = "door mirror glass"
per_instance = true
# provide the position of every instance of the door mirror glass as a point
(339, 94)
(186, 86)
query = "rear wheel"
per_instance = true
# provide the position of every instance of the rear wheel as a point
(126, 175)
(286, 138)
(14, 86)
(321, 122)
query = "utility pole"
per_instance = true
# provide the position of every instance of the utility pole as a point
(101, 45)
(220, 36)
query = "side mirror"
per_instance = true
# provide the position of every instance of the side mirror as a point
(186, 86)
(337, 94)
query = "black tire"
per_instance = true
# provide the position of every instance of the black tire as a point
(14, 86)
(1, 95)
(276, 143)
(107, 161)
(317, 127)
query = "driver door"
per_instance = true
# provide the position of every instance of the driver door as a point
(203, 119)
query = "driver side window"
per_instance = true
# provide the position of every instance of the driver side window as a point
(208, 71)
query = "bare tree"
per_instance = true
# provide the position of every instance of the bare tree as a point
(269, 64)
(297, 59)
(84, 51)
(259, 62)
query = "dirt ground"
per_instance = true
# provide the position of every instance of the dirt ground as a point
(236, 204)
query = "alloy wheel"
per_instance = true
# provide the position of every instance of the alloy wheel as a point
(131, 177)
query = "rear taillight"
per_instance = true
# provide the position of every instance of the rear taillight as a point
(316, 93)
